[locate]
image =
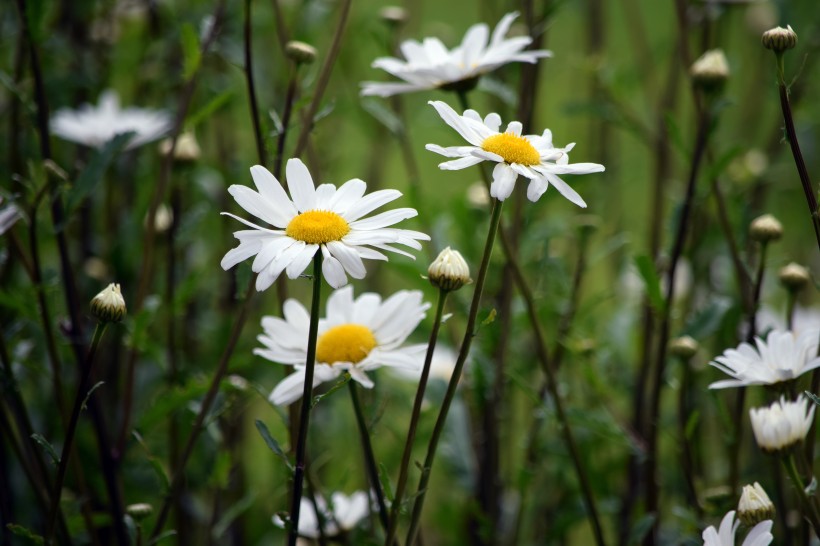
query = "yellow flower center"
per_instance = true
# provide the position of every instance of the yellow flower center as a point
(317, 227)
(345, 343)
(513, 148)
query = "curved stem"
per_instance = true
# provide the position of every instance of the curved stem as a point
(809, 509)
(369, 455)
(414, 420)
(79, 402)
(307, 396)
(469, 333)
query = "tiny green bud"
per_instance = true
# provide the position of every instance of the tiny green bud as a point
(794, 276)
(779, 39)
(449, 271)
(683, 347)
(766, 228)
(109, 305)
(300, 52)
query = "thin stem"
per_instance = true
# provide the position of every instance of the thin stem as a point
(809, 508)
(257, 129)
(79, 402)
(687, 460)
(414, 419)
(469, 333)
(369, 455)
(290, 96)
(205, 407)
(307, 398)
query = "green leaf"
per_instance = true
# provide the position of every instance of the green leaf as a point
(47, 447)
(242, 505)
(691, 424)
(209, 109)
(384, 115)
(647, 271)
(91, 390)
(490, 317)
(338, 385)
(813, 397)
(384, 478)
(163, 536)
(271, 442)
(20, 531)
(93, 173)
(191, 54)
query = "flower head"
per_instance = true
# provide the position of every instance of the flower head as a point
(449, 271)
(754, 505)
(109, 305)
(711, 69)
(781, 425)
(94, 126)
(326, 218)
(430, 65)
(779, 39)
(532, 156)
(766, 228)
(343, 514)
(760, 535)
(355, 336)
(782, 357)
(794, 276)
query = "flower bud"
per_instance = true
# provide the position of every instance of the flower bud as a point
(754, 506)
(163, 219)
(794, 276)
(300, 52)
(449, 271)
(782, 425)
(779, 39)
(393, 15)
(711, 70)
(109, 305)
(683, 347)
(139, 511)
(187, 148)
(766, 228)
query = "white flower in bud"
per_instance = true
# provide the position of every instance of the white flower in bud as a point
(754, 506)
(163, 219)
(139, 511)
(711, 70)
(109, 305)
(300, 52)
(683, 347)
(779, 39)
(449, 271)
(782, 425)
(766, 228)
(186, 151)
(393, 15)
(794, 276)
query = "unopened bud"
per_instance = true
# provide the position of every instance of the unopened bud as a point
(779, 39)
(300, 52)
(393, 15)
(766, 228)
(109, 305)
(794, 276)
(754, 506)
(711, 70)
(186, 151)
(139, 511)
(449, 271)
(683, 347)
(163, 218)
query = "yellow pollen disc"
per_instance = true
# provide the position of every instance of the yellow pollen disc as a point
(345, 343)
(513, 148)
(317, 227)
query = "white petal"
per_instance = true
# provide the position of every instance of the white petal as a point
(384, 219)
(332, 270)
(503, 181)
(350, 192)
(349, 259)
(369, 203)
(565, 190)
(301, 185)
(301, 261)
(272, 191)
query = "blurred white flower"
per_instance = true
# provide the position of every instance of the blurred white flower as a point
(783, 424)
(323, 218)
(803, 319)
(430, 65)
(441, 366)
(531, 156)
(95, 125)
(343, 514)
(781, 357)
(760, 535)
(355, 336)
(8, 216)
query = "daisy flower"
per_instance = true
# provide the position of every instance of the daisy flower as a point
(343, 514)
(760, 535)
(781, 357)
(430, 65)
(531, 156)
(94, 126)
(355, 336)
(783, 424)
(323, 218)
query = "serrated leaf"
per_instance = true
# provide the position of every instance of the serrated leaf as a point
(93, 173)
(647, 271)
(191, 54)
(813, 397)
(271, 442)
(49, 449)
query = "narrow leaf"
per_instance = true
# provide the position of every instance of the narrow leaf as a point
(647, 271)
(190, 51)
(271, 442)
(47, 447)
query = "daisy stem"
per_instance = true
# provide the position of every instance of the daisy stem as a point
(809, 507)
(79, 402)
(414, 419)
(369, 455)
(469, 333)
(257, 127)
(307, 396)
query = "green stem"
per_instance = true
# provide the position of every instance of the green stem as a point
(809, 508)
(469, 333)
(79, 399)
(307, 396)
(369, 455)
(414, 420)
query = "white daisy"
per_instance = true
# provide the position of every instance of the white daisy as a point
(531, 156)
(94, 126)
(783, 424)
(323, 217)
(343, 514)
(760, 535)
(355, 336)
(430, 65)
(782, 357)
